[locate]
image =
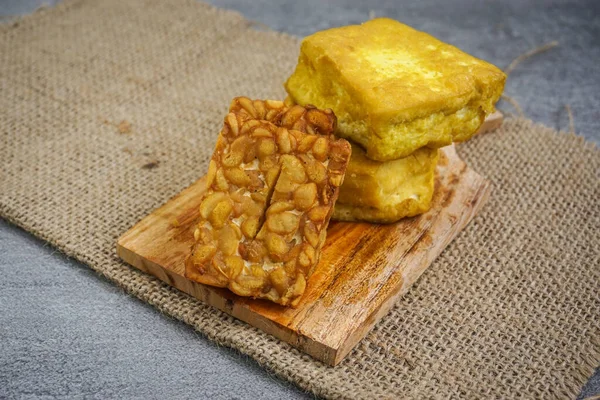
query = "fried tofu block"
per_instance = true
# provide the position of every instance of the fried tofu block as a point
(384, 192)
(271, 187)
(394, 89)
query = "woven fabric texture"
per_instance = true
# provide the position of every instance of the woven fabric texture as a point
(108, 108)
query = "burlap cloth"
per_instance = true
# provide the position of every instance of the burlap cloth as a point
(108, 108)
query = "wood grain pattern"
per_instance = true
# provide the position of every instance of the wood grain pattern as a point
(364, 268)
(491, 123)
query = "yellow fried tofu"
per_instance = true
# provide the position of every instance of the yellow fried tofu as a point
(394, 89)
(384, 192)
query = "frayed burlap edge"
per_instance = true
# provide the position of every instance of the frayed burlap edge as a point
(180, 306)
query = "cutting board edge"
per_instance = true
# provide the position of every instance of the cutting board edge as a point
(321, 351)
(485, 190)
(213, 297)
(329, 350)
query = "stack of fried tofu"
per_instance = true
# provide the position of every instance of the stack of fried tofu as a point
(399, 95)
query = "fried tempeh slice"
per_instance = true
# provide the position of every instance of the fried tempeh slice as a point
(271, 186)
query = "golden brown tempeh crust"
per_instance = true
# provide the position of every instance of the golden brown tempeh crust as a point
(271, 187)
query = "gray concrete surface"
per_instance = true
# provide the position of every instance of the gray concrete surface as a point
(67, 333)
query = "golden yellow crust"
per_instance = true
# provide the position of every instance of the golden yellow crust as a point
(384, 192)
(394, 89)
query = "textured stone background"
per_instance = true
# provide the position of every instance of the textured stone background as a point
(65, 332)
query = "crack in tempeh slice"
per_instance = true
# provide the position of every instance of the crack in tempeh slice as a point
(271, 187)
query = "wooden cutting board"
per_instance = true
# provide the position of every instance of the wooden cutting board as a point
(364, 268)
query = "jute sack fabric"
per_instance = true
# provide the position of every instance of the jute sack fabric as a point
(108, 108)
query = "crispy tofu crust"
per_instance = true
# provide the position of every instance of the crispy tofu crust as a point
(272, 183)
(384, 192)
(394, 89)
